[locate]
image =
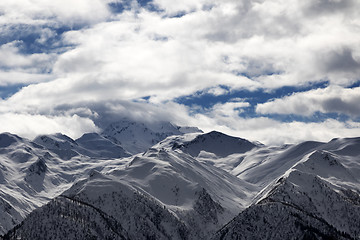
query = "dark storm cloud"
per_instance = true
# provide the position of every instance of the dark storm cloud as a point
(317, 7)
(349, 107)
(341, 61)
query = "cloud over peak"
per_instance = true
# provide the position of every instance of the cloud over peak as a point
(82, 62)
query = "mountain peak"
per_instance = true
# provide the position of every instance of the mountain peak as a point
(7, 139)
(136, 137)
(55, 141)
(95, 145)
(215, 142)
(187, 186)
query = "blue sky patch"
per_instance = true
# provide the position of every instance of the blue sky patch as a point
(29, 38)
(206, 100)
(8, 91)
(119, 7)
(253, 97)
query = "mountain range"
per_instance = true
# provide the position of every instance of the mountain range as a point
(140, 180)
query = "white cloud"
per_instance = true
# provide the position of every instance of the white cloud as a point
(270, 41)
(17, 68)
(229, 109)
(272, 132)
(217, 91)
(333, 99)
(123, 57)
(223, 117)
(63, 11)
(19, 77)
(74, 120)
(175, 7)
(32, 125)
(11, 58)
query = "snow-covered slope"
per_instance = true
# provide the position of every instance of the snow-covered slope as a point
(158, 195)
(101, 207)
(174, 178)
(32, 173)
(318, 198)
(96, 146)
(266, 164)
(136, 137)
(59, 144)
(212, 144)
(186, 186)
(18, 159)
(8, 139)
(344, 146)
(90, 144)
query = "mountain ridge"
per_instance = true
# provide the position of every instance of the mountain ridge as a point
(188, 186)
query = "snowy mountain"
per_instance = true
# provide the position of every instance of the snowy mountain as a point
(159, 195)
(101, 208)
(90, 144)
(213, 142)
(137, 137)
(34, 172)
(180, 183)
(318, 198)
(96, 146)
(21, 170)
(183, 184)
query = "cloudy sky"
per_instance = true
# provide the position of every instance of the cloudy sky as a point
(277, 71)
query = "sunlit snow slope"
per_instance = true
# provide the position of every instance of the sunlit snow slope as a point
(179, 184)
